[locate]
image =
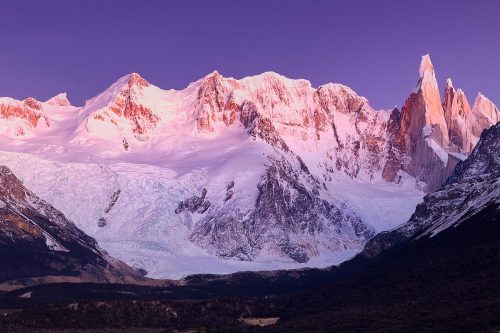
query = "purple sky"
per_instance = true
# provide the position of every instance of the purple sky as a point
(81, 47)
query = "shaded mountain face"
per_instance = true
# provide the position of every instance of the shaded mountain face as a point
(36, 240)
(264, 169)
(473, 187)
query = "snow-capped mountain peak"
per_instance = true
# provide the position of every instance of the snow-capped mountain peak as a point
(59, 100)
(123, 111)
(449, 83)
(426, 67)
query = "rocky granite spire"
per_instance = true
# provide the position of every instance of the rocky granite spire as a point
(457, 113)
(486, 114)
(421, 137)
(427, 87)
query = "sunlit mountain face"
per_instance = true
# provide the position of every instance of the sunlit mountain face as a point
(263, 172)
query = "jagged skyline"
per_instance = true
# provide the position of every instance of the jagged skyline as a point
(243, 169)
(83, 47)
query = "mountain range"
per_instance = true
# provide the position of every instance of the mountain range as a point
(259, 173)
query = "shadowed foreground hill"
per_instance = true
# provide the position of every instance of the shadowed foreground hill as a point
(37, 241)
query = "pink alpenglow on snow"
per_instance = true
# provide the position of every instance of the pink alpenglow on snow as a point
(263, 172)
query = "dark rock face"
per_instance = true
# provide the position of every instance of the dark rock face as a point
(288, 214)
(114, 199)
(127, 105)
(37, 240)
(194, 204)
(229, 191)
(264, 129)
(289, 206)
(102, 222)
(473, 186)
(484, 160)
(125, 144)
(395, 155)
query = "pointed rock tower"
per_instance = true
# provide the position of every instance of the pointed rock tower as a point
(486, 114)
(422, 136)
(431, 113)
(457, 113)
(428, 138)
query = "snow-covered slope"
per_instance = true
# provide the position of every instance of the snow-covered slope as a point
(264, 172)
